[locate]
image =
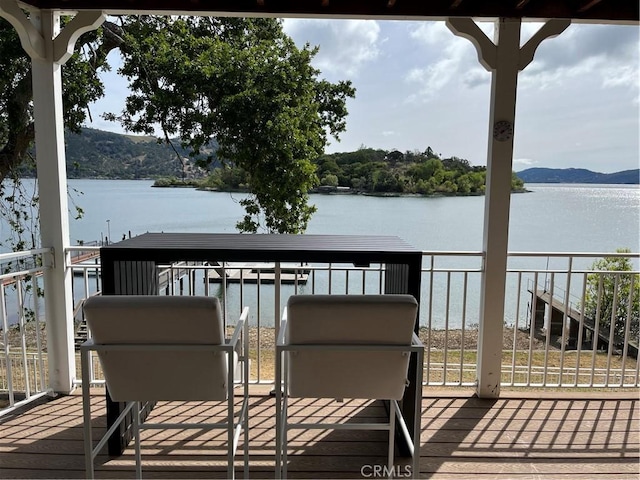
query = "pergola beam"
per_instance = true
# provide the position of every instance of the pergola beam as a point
(602, 11)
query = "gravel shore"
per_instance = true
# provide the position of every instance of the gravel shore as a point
(434, 339)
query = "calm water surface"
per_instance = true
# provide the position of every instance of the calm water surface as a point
(554, 218)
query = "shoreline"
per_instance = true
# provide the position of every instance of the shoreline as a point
(435, 339)
(342, 192)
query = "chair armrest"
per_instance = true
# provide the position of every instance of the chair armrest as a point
(87, 345)
(240, 327)
(280, 342)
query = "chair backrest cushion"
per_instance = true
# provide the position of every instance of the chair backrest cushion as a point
(357, 320)
(162, 373)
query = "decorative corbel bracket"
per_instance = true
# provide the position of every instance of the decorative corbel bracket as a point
(552, 28)
(30, 38)
(487, 50)
(83, 22)
(63, 44)
(467, 28)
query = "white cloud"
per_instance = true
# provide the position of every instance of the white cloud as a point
(519, 163)
(450, 62)
(604, 52)
(346, 46)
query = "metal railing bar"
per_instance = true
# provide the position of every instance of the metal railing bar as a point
(4, 257)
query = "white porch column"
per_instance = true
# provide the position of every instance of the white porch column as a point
(54, 218)
(503, 58)
(49, 48)
(504, 81)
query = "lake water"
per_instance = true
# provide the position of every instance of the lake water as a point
(579, 218)
(551, 218)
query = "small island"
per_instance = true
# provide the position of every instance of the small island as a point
(368, 172)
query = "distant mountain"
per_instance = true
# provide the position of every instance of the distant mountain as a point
(577, 175)
(100, 154)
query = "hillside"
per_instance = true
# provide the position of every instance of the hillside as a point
(100, 154)
(578, 175)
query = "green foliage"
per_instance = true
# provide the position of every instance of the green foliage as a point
(241, 81)
(330, 180)
(246, 84)
(98, 154)
(606, 289)
(175, 182)
(380, 171)
(227, 178)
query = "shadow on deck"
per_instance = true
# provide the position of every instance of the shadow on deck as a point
(521, 435)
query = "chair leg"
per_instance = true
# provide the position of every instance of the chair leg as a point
(278, 392)
(230, 424)
(86, 410)
(392, 433)
(417, 417)
(136, 432)
(246, 439)
(246, 410)
(285, 447)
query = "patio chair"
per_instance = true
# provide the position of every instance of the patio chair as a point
(347, 346)
(155, 348)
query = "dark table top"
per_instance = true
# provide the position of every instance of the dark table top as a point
(168, 247)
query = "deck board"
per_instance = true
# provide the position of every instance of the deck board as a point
(521, 435)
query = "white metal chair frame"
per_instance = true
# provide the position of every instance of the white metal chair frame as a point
(281, 391)
(238, 343)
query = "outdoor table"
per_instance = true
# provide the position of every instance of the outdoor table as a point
(129, 267)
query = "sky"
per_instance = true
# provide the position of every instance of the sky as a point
(418, 85)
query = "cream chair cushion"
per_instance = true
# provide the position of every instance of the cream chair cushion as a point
(349, 320)
(162, 374)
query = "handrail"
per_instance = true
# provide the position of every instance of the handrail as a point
(24, 254)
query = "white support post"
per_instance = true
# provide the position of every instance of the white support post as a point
(54, 218)
(49, 49)
(504, 59)
(504, 81)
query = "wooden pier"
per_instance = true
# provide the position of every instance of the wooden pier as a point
(265, 273)
(590, 338)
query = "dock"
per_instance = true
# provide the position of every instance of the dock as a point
(590, 338)
(265, 273)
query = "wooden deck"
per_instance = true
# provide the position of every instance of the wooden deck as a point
(528, 435)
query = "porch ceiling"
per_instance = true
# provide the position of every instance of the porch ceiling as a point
(596, 11)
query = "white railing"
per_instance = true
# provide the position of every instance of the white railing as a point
(566, 302)
(23, 372)
(533, 354)
(543, 346)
